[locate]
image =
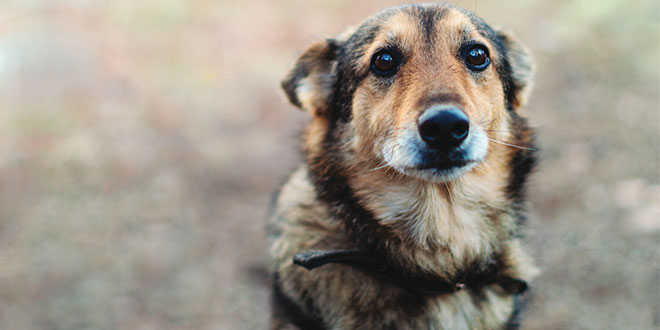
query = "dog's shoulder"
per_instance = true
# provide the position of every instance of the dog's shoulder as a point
(300, 222)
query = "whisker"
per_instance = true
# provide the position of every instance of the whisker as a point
(384, 163)
(380, 165)
(449, 194)
(511, 145)
(485, 122)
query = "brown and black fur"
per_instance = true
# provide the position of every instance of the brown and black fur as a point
(425, 230)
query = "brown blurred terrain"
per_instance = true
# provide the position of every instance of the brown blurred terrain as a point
(140, 142)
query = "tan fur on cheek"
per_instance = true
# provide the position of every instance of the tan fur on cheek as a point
(378, 104)
(372, 118)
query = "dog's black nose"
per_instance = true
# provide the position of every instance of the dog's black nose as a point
(443, 128)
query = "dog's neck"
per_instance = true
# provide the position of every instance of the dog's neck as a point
(438, 227)
(444, 225)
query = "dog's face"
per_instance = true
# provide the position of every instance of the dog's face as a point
(425, 90)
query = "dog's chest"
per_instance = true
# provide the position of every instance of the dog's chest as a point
(434, 218)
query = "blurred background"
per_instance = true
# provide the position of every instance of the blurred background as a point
(140, 142)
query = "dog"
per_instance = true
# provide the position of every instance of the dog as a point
(406, 213)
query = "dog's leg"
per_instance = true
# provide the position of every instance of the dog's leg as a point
(518, 265)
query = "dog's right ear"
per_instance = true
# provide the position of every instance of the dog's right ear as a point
(309, 85)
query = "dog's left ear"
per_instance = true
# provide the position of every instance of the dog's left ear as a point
(522, 69)
(309, 84)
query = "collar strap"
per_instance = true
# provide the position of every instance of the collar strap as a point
(475, 278)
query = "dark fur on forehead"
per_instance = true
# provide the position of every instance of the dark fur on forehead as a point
(428, 16)
(349, 72)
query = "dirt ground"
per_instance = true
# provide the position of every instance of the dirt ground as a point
(140, 142)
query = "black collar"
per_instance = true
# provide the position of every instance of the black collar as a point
(474, 278)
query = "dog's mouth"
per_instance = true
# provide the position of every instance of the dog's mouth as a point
(431, 159)
(440, 170)
(417, 159)
(444, 165)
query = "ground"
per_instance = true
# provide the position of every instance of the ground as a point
(140, 142)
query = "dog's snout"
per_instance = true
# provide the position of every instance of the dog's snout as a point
(443, 128)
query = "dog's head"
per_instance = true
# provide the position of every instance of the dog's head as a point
(425, 90)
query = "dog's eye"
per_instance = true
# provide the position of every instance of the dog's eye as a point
(385, 63)
(477, 58)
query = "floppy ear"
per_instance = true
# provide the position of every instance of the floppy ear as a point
(309, 85)
(522, 70)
